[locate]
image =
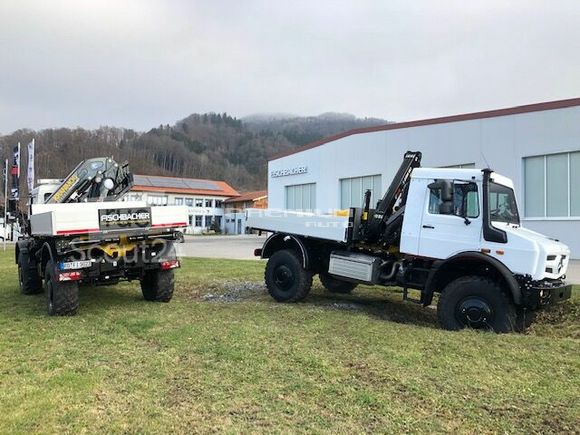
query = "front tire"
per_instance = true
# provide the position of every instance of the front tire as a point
(478, 303)
(158, 285)
(286, 279)
(62, 297)
(334, 285)
(28, 279)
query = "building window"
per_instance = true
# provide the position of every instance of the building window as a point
(190, 220)
(548, 185)
(198, 202)
(208, 221)
(218, 203)
(189, 202)
(156, 200)
(132, 197)
(352, 190)
(198, 221)
(218, 221)
(301, 197)
(461, 166)
(208, 202)
(178, 201)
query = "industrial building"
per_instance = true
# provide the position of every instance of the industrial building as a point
(235, 206)
(204, 198)
(537, 146)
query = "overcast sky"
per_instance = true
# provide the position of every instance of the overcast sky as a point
(142, 63)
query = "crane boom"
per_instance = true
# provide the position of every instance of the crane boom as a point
(382, 221)
(97, 179)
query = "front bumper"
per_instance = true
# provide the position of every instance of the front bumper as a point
(544, 293)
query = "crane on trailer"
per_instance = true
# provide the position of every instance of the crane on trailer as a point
(80, 231)
(446, 231)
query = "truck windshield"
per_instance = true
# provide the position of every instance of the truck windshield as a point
(502, 204)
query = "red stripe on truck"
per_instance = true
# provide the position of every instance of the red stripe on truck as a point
(87, 230)
(175, 224)
(96, 230)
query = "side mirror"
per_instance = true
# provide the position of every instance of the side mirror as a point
(446, 188)
(446, 208)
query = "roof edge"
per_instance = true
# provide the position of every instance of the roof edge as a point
(536, 107)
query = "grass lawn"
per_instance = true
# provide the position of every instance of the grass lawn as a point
(223, 357)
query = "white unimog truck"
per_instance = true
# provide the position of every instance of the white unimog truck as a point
(455, 232)
(79, 231)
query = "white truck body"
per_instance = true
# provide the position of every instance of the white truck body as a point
(320, 226)
(82, 218)
(436, 236)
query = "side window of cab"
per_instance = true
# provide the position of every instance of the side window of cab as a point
(465, 199)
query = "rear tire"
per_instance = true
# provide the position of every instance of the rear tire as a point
(478, 303)
(62, 297)
(158, 285)
(28, 279)
(286, 279)
(334, 285)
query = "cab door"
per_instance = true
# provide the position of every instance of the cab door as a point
(448, 229)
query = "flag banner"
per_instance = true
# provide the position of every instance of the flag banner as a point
(5, 178)
(15, 173)
(30, 175)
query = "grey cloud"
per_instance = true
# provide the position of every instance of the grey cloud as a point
(141, 63)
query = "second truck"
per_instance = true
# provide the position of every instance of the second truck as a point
(455, 233)
(79, 231)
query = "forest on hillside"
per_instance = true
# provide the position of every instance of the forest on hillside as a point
(211, 145)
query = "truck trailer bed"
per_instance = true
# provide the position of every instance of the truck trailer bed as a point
(319, 226)
(103, 217)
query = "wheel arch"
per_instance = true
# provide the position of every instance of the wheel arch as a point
(445, 271)
(279, 241)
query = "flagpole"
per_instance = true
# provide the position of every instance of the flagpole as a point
(5, 200)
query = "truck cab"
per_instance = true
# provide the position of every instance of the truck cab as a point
(44, 190)
(441, 227)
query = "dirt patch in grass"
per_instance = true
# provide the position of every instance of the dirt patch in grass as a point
(236, 291)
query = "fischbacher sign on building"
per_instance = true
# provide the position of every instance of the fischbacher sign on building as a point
(289, 171)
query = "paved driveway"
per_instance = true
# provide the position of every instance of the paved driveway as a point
(231, 247)
(573, 274)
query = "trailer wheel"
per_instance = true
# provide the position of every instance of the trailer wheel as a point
(478, 303)
(334, 285)
(286, 279)
(28, 279)
(158, 285)
(62, 297)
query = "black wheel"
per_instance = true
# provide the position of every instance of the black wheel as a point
(158, 285)
(334, 285)
(476, 302)
(62, 297)
(28, 279)
(286, 279)
(180, 237)
(524, 319)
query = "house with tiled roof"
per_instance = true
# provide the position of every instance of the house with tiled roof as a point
(235, 222)
(204, 198)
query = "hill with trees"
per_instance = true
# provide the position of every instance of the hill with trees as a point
(211, 145)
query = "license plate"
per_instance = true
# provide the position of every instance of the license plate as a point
(75, 265)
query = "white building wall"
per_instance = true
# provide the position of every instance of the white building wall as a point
(193, 211)
(499, 142)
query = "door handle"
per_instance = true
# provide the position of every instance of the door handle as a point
(431, 227)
